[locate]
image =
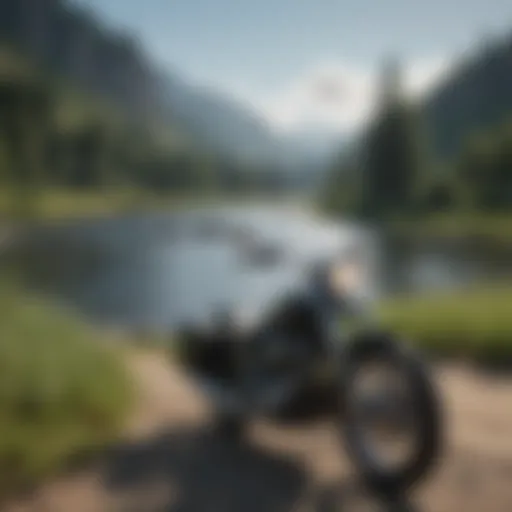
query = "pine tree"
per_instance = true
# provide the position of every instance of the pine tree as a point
(392, 156)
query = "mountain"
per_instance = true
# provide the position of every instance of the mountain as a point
(318, 144)
(222, 123)
(477, 96)
(218, 122)
(70, 41)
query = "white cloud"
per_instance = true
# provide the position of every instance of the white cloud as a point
(340, 97)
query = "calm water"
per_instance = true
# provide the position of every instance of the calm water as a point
(158, 270)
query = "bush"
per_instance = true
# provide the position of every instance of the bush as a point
(474, 323)
(61, 393)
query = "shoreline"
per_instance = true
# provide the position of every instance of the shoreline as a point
(65, 206)
(495, 229)
(486, 230)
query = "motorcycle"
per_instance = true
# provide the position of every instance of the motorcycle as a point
(323, 339)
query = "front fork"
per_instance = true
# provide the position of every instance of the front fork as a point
(340, 322)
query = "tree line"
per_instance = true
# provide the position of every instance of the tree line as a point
(37, 152)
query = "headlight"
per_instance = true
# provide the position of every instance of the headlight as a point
(345, 278)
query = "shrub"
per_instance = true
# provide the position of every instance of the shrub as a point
(61, 392)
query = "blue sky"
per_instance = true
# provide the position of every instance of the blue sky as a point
(270, 53)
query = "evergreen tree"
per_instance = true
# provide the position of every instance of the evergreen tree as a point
(393, 153)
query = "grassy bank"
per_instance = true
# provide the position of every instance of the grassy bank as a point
(61, 392)
(497, 228)
(473, 324)
(65, 204)
(57, 204)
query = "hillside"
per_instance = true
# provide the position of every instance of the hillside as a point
(73, 43)
(477, 95)
(218, 122)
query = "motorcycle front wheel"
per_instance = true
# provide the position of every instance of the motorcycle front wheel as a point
(391, 421)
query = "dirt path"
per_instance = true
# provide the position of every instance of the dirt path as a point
(171, 461)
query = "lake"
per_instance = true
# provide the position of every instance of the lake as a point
(158, 270)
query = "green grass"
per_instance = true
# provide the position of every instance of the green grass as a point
(452, 225)
(64, 204)
(61, 204)
(61, 392)
(474, 324)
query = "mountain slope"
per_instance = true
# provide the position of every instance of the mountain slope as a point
(219, 122)
(477, 96)
(71, 42)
